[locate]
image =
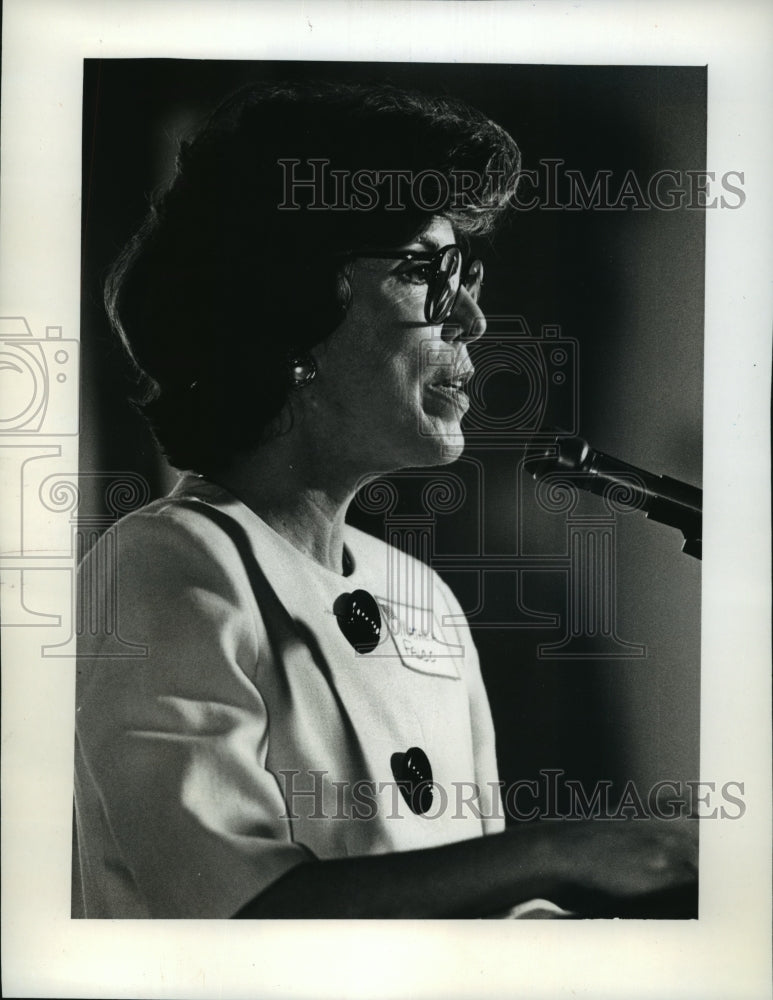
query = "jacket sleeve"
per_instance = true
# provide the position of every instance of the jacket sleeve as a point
(173, 742)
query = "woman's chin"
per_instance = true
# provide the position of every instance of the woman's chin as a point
(442, 449)
(453, 448)
(437, 443)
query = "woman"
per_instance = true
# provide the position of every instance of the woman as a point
(308, 733)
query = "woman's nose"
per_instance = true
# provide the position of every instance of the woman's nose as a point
(466, 322)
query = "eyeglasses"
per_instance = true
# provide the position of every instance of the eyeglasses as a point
(443, 271)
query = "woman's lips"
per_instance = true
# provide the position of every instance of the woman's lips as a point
(451, 394)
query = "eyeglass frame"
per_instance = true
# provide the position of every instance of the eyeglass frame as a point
(429, 256)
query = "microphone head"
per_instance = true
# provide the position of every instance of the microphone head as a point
(564, 453)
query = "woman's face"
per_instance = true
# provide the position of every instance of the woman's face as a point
(389, 392)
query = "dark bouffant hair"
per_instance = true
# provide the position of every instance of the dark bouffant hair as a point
(225, 279)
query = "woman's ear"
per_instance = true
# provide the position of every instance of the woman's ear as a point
(344, 289)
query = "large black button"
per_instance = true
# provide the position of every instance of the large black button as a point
(413, 774)
(359, 619)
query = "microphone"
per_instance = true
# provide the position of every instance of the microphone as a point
(665, 500)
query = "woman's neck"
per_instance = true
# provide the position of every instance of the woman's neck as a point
(304, 504)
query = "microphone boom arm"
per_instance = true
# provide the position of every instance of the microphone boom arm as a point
(663, 499)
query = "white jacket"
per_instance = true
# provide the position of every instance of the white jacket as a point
(193, 758)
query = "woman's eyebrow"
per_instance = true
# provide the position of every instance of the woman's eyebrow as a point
(428, 242)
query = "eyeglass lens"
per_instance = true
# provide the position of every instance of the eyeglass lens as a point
(443, 292)
(474, 279)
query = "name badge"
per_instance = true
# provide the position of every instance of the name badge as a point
(417, 638)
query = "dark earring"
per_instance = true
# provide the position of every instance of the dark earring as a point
(303, 371)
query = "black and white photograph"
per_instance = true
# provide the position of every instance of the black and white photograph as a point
(360, 485)
(281, 716)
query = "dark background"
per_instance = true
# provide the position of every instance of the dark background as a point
(627, 286)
